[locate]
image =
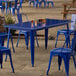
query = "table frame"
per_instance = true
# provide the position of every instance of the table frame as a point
(32, 37)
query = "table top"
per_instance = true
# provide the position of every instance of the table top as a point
(37, 25)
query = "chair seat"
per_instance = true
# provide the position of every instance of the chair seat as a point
(64, 53)
(23, 31)
(3, 48)
(61, 50)
(67, 36)
(3, 34)
(65, 30)
(2, 38)
(2, 7)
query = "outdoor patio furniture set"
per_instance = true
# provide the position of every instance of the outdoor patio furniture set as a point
(30, 28)
(60, 52)
(39, 2)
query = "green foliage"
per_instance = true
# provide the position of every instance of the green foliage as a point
(9, 20)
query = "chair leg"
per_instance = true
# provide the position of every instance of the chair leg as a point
(22, 9)
(2, 10)
(67, 40)
(74, 60)
(26, 39)
(40, 4)
(18, 39)
(52, 4)
(34, 4)
(11, 62)
(3, 39)
(49, 63)
(66, 62)
(6, 58)
(44, 4)
(1, 60)
(13, 11)
(59, 61)
(12, 44)
(57, 38)
(37, 40)
(29, 3)
(18, 10)
(47, 4)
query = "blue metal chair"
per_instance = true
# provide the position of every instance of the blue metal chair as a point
(17, 7)
(26, 34)
(63, 31)
(40, 3)
(2, 39)
(1, 7)
(52, 3)
(4, 50)
(64, 53)
(32, 1)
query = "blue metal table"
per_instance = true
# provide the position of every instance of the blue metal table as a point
(6, 3)
(27, 26)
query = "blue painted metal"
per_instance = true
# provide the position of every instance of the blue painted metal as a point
(32, 1)
(46, 38)
(1, 7)
(26, 26)
(32, 47)
(52, 3)
(4, 35)
(39, 2)
(9, 36)
(2, 38)
(4, 50)
(42, 1)
(65, 32)
(6, 3)
(26, 34)
(64, 53)
(16, 7)
(8, 42)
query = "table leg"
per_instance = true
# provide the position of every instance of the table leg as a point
(46, 38)
(32, 47)
(8, 42)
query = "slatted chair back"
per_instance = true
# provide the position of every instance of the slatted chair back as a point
(19, 16)
(21, 3)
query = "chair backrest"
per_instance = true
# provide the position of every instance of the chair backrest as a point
(21, 3)
(73, 45)
(0, 3)
(19, 16)
(16, 3)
